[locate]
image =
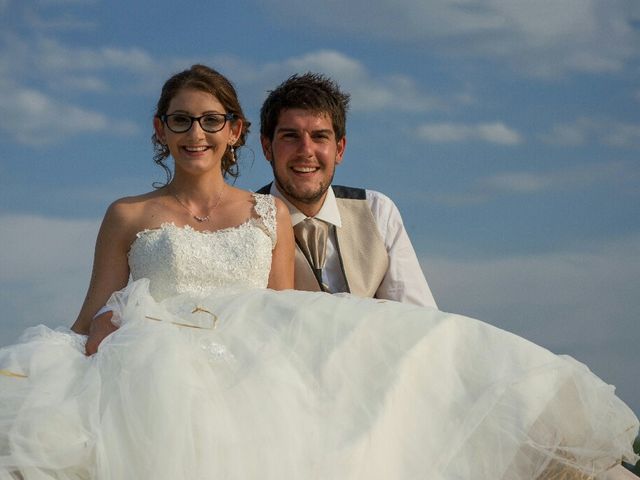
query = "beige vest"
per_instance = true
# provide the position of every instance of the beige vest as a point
(363, 256)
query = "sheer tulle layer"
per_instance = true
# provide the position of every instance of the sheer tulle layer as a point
(292, 385)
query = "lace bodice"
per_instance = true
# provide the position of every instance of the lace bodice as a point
(183, 260)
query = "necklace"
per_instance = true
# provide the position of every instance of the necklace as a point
(196, 217)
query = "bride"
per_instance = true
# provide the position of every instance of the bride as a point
(206, 365)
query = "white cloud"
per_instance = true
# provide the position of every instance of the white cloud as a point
(520, 182)
(46, 265)
(545, 38)
(369, 91)
(578, 177)
(14, 55)
(586, 130)
(33, 118)
(37, 114)
(67, 2)
(619, 175)
(51, 54)
(88, 83)
(34, 115)
(581, 302)
(330, 61)
(58, 22)
(583, 285)
(567, 134)
(623, 135)
(45, 61)
(496, 132)
(35, 246)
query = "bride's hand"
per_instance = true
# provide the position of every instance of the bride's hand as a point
(99, 329)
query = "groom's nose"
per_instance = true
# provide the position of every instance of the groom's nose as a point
(305, 145)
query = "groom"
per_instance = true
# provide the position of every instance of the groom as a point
(348, 239)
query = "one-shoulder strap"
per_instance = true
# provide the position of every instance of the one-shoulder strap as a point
(265, 208)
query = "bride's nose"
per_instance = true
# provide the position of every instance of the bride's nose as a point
(196, 131)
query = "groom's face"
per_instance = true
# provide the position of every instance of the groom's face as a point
(303, 154)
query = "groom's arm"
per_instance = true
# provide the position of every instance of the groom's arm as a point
(404, 280)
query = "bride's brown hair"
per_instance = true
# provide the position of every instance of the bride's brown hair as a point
(206, 79)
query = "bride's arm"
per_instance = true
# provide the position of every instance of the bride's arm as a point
(281, 275)
(110, 273)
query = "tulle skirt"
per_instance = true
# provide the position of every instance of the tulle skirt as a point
(296, 385)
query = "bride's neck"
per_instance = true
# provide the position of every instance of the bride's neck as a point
(200, 188)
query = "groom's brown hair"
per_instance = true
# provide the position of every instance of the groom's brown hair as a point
(310, 91)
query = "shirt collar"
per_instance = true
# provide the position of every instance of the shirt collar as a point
(328, 213)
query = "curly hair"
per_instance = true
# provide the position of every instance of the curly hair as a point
(310, 91)
(206, 79)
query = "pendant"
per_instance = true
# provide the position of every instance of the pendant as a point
(201, 219)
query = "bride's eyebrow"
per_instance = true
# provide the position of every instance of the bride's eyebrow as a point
(187, 112)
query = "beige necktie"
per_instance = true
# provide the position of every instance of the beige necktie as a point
(311, 235)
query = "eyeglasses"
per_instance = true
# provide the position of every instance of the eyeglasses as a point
(210, 123)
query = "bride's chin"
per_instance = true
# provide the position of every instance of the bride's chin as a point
(197, 166)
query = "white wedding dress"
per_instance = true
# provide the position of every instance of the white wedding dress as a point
(212, 376)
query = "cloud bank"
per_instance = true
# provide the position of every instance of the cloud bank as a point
(583, 303)
(493, 132)
(46, 265)
(545, 38)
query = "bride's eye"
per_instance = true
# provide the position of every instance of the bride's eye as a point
(180, 120)
(211, 122)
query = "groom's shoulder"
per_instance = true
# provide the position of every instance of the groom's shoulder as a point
(350, 193)
(264, 190)
(340, 191)
(373, 197)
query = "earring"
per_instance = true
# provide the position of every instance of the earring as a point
(232, 151)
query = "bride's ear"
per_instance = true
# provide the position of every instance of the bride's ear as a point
(235, 132)
(158, 127)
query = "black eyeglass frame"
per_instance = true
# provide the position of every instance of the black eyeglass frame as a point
(228, 117)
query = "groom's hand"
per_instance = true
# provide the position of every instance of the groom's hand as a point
(100, 328)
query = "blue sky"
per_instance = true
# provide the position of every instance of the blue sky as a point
(507, 131)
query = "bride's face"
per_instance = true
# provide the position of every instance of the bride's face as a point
(196, 150)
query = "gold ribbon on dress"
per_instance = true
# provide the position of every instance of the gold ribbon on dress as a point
(197, 309)
(8, 373)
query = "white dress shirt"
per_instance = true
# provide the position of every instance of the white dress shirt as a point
(404, 280)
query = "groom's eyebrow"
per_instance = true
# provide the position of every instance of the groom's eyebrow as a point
(321, 131)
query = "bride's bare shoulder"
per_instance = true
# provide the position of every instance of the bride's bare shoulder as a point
(137, 212)
(238, 199)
